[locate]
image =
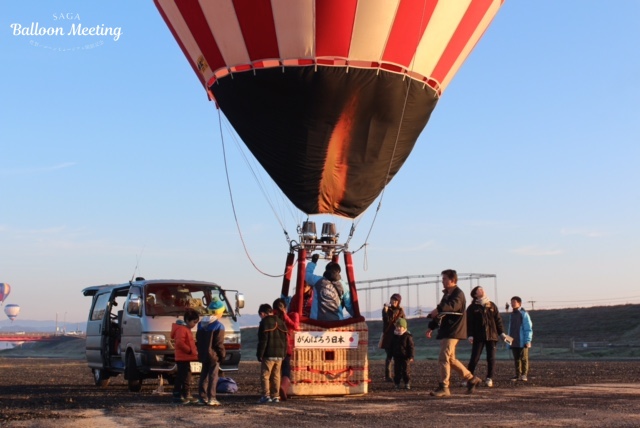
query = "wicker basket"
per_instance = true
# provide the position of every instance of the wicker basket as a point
(331, 371)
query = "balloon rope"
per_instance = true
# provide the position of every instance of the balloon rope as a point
(258, 182)
(395, 145)
(233, 207)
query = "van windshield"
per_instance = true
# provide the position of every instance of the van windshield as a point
(174, 298)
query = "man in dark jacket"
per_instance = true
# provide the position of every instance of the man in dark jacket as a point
(484, 327)
(450, 320)
(272, 348)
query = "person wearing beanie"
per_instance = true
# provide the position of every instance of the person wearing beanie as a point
(521, 332)
(390, 314)
(484, 328)
(449, 317)
(211, 352)
(402, 351)
(330, 294)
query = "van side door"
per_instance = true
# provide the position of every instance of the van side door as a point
(96, 332)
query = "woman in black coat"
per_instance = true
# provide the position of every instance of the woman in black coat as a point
(390, 314)
(484, 327)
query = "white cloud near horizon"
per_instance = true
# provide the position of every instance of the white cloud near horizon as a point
(533, 250)
(44, 169)
(582, 232)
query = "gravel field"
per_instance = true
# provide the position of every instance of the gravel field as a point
(61, 393)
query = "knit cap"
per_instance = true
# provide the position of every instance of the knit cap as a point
(401, 322)
(215, 305)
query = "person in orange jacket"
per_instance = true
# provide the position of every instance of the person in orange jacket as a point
(185, 352)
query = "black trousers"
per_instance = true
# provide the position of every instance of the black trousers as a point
(476, 353)
(401, 370)
(387, 363)
(182, 385)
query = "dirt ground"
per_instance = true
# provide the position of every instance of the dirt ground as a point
(61, 393)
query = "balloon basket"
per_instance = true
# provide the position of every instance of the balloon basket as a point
(317, 369)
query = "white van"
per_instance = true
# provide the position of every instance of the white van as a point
(129, 327)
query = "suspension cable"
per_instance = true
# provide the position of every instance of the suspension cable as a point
(233, 207)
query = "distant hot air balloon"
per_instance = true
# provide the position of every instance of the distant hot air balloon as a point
(330, 96)
(5, 290)
(12, 311)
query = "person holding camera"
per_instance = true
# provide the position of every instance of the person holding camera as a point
(391, 313)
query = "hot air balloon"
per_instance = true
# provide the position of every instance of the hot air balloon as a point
(5, 290)
(12, 311)
(330, 97)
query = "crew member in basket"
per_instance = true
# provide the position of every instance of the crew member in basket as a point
(330, 294)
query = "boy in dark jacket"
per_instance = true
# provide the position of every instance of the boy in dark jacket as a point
(402, 351)
(484, 327)
(185, 352)
(272, 348)
(210, 340)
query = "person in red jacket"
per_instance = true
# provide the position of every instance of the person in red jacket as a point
(292, 322)
(185, 352)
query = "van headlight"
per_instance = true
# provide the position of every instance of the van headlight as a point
(155, 342)
(232, 338)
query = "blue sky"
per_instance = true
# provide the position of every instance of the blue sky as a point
(111, 158)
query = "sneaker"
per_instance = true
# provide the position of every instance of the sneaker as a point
(515, 378)
(213, 402)
(524, 378)
(472, 383)
(264, 400)
(202, 402)
(191, 400)
(441, 391)
(488, 382)
(407, 386)
(180, 401)
(275, 400)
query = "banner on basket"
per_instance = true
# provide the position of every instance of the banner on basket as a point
(327, 339)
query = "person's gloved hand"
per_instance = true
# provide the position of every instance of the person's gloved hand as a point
(315, 258)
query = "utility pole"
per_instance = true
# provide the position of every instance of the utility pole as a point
(532, 304)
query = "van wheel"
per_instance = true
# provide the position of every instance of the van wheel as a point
(101, 378)
(133, 376)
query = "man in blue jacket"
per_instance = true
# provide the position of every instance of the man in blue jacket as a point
(330, 294)
(521, 330)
